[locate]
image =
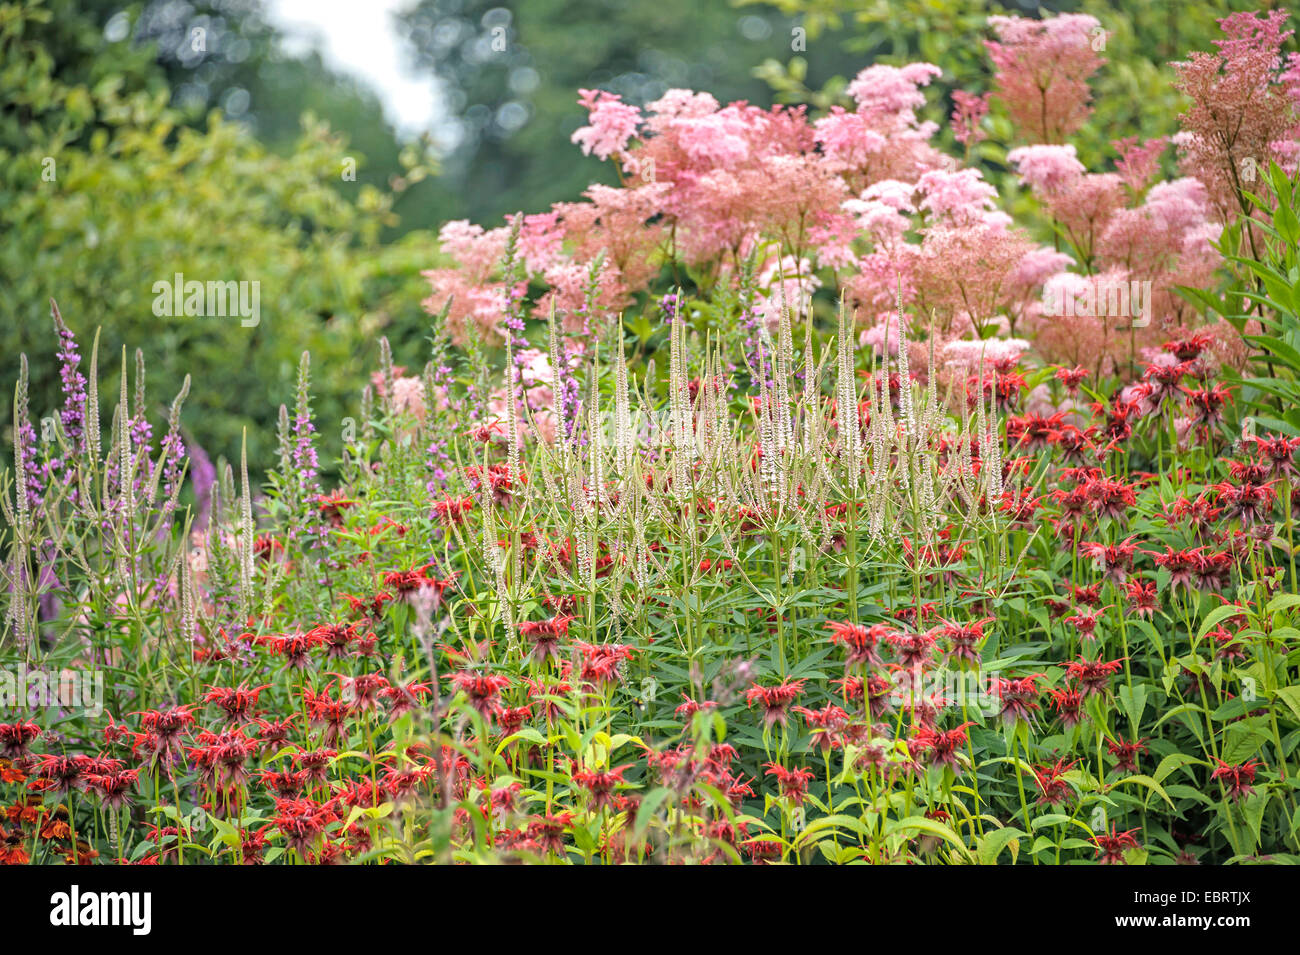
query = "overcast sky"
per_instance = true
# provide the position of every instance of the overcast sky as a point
(362, 39)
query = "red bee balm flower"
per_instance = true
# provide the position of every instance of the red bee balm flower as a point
(941, 746)
(15, 737)
(1237, 780)
(793, 782)
(1019, 697)
(775, 700)
(1093, 676)
(859, 641)
(483, 690)
(601, 785)
(1111, 845)
(546, 635)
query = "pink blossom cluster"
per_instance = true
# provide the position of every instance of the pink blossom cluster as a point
(860, 200)
(1245, 109)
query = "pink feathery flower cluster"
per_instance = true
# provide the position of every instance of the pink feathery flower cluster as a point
(1043, 69)
(1131, 251)
(968, 112)
(613, 123)
(862, 193)
(709, 185)
(1245, 109)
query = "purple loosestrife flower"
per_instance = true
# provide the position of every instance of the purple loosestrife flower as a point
(73, 414)
(173, 452)
(305, 461)
(749, 323)
(437, 376)
(141, 429)
(668, 305)
(25, 446)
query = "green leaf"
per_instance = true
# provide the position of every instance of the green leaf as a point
(1290, 695)
(1217, 616)
(991, 846)
(1149, 783)
(1134, 701)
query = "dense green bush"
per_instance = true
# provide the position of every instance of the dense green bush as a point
(103, 192)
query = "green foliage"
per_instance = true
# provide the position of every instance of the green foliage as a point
(103, 192)
(1263, 303)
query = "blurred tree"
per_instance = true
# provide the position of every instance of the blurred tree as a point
(104, 191)
(511, 72)
(227, 55)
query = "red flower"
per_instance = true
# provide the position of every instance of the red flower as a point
(1092, 676)
(602, 664)
(1109, 497)
(162, 734)
(15, 737)
(792, 782)
(964, 640)
(1086, 622)
(1278, 453)
(220, 757)
(549, 830)
(1164, 379)
(913, 649)
(286, 783)
(404, 697)
(324, 710)
(1115, 560)
(61, 774)
(315, 762)
(601, 785)
(370, 607)
(1189, 349)
(482, 690)
(775, 700)
(941, 746)
(825, 724)
(859, 641)
(294, 647)
(762, 849)
(500, 481)
(453, 510)
(273, 732)
(238, 702)
(687, 710)
(1238, 780)
(1111, 845)
(1019, 697)
(546, 635)
(114, 787)
(1034, 431)
(1053, 788)
(1206, 404)
(335, 637)
(512, 718)
(1068, 705)
(302, 821)
(549, 696)
(1126, 754)
(1143, 601)
(1249, 502)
